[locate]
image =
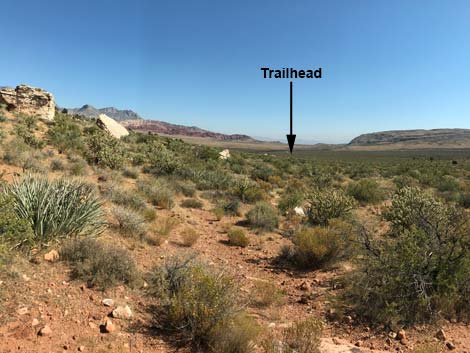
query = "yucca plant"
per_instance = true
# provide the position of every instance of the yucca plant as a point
(59, 208)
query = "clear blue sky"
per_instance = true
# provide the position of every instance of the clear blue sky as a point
(386, 64)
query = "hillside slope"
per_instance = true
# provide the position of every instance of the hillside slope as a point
(437, 137)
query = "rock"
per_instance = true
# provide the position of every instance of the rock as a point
(225, 154)
(81, 349)
(299, 211)
(304, 286)
(45, 331)
(35, 322)
(441, 335)
(29, 101)
(109, 326)
(450, 346)
(108, 302)
(22, 311)
(392, 335)
(358, 343)
(401, 335)
(111, 126)
(122, 312)
(51, 256)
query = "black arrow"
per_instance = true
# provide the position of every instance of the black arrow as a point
(291, 137)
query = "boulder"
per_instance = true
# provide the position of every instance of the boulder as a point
(111, 126)
(122, 312)
(29, 101)
(51, 256)
(225, 154)
(299, 211)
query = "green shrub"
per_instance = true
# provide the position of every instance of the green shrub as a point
(57, 208)
(105, 150)
(188, 189)
(57, 164)
(165, 225)
(13, 229)
(263, 217)
(158, 192)
(301, 337)
(420, 270)
(100, 265)
(28, 137)
(162, 161)
(265, 294)
(448, 183)
(464, 199)
(130, 223)
(191, 203)
(327, 204)
(78, 167)
(230, 207)
(289, 201)
(122, 197)
(193, 300)
(15, 152)
(149, 214)
(65, 134)
(366, 191)
(131, 173)
(237, 237)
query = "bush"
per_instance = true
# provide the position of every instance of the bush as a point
(78, 167)
(193, 300)
(57, 164)
(65, 134)
(131, 173)
(188, 189)
(327, 204)
(191, 203)
(366, 191)
(130, 223)
(263, 217)
(57, 208)
(464, 199)
(301, 337)
(105, 150)
(189, 237)
(158, 192)
(230, 207)
(123, 197)
(237, 237)
(289, 201)
(238, 337)
(448, 183)
(100, 265)
(265, 294)
(13, 229)
(166, 225)
(420, 271)
(149, 214)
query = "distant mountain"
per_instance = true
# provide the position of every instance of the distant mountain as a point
(91, 112)
(161, 127)
(430, 138)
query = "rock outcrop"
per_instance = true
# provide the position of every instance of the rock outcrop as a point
(28, 100)
(225, 154)
(111, 126)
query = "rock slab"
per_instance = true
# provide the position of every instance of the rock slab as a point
(111, 126)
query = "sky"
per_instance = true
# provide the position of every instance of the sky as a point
(387, 65)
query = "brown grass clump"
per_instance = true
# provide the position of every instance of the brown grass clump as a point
(189, 237)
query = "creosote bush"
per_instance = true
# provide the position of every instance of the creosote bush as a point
(366, 191)
(57, 208)
(100, 265)
(419, 271)
(15, 231)
(265, 294)
(130, 222)
(198, 303)
(191, 203)
(263, 217)
(237, 237)
(327, 204)
(189, 237)
(158, 192)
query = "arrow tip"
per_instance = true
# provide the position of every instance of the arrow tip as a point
(291, 141)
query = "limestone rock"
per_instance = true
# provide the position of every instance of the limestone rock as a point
(45, 331)
(225, 154)
(441, 335)
(299, 211)
(108, 302)
(111, 126)
(122, 312)
(51, 256)
(28, 100)
(109, 326)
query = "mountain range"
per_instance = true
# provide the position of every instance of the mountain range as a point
(117, 114)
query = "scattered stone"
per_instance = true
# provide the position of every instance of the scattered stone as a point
(22, 311)
(51, 256)
(450, 346)
(441, 335)
(45, 331)
(122, 312)
(35, 322)
(109, 326)
(401, 335)
(108, 302)
(111, 126)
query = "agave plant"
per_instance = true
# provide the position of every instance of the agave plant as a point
(57, 208)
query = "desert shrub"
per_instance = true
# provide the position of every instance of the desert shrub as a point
(100, 265)
(149, 214)
(218, 213)
(188, 189)
(57, 208)
(130, 223)
(191, 203)
(65, 134)
(131, 173)
(366, 191)
(247, 190)
(15, 152)
(237, 237)
(464, 199)
(263, 217)
(122, 197)
(2, 117)
(158, 192)
(162, 161)
(211, 180)
(327, 204)
(28, 137)
(301, 337)
(265, 294)
(78, 167)
(104, 150)
(402, 181)
(230, 207)
(57, 164)
(262, 172)
(289, 201)
(447, 183)
(13, 229)
(193, 300)
(189, 237)
(420, 270)
(165, 225)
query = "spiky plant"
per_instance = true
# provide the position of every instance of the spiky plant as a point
(57, 208)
